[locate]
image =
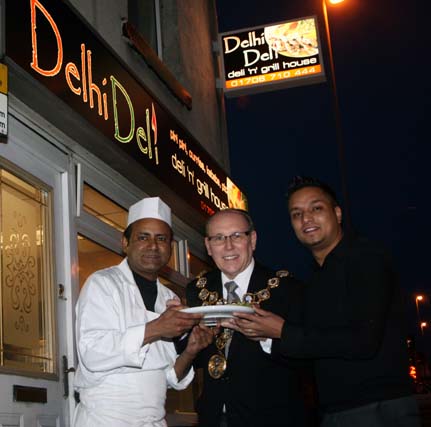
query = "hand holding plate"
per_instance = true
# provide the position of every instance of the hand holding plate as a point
(200, 337)
(172, 322)
(260, 325)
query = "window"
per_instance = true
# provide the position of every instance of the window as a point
(145, 16)
(198, 266)
(112, 214)
(106, 210)
(27, 277)
(93, 257)
(144, 31)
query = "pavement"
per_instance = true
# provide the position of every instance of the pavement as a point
(189, 419)
(182, 419)
(424, 402)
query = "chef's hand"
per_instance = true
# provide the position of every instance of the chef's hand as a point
(171, 323)
(258, 326)
(173, 302)
(199, 338)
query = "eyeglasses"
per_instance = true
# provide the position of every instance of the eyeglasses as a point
(237, 237)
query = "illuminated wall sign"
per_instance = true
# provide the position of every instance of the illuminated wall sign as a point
(48, 40)
(3, 102)
(273, 57)
(3, 115)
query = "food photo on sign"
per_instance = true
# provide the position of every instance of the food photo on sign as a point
(276, 56)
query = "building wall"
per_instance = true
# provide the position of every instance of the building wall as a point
(189, 28)
(52, 141)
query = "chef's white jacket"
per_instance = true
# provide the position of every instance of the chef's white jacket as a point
(121, 382)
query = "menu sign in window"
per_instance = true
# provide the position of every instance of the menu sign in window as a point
(272, 57)
(49, 41)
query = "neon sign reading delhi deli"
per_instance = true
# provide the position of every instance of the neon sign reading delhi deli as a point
(80, 82)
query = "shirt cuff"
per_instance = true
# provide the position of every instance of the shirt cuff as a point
(134, 351)
(266, 345)
(292, 341)
(173, 382)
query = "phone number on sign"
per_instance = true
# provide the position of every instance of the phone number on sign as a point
(272, 77)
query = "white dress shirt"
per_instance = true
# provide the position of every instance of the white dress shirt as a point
(243, 280)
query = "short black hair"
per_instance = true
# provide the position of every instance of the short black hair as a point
(128, 232)
(298, 182)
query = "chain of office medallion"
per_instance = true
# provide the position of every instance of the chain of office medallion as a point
(212, 298)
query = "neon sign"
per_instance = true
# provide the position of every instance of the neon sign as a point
(46, 39)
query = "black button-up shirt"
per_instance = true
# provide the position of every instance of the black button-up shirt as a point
(354, 327)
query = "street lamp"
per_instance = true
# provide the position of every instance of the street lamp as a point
(417, 299)
(423, 325)
(336, 106)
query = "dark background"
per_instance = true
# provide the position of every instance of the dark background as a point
(381, 54)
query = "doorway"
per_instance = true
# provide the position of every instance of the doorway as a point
(35, 294)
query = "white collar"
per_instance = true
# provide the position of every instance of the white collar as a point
(242, 280)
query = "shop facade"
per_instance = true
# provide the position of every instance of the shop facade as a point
(97, 118)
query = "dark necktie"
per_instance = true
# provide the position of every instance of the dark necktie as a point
(232, 296)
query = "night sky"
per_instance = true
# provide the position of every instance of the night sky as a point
(381, 61)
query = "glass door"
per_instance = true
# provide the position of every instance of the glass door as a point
(36, 328)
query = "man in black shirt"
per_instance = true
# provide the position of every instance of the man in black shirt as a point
(353, 325)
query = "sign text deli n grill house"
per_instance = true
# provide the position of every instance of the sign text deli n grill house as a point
(61, 52)
(276, 56)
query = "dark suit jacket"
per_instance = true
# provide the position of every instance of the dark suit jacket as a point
(258, 389)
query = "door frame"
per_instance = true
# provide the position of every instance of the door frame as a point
(35, 150)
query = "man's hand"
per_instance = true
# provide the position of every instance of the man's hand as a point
(258, 326)
(200, 338)
(173, 302)
(171, 323)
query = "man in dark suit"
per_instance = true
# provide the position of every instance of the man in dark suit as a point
(248, 385)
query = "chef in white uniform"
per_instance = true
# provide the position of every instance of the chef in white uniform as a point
(125, 322)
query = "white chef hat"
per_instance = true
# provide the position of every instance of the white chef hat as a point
(150, 207)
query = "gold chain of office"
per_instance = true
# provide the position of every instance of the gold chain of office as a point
(217, 363)
(212, 298)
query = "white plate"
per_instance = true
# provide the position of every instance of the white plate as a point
(214, 313)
